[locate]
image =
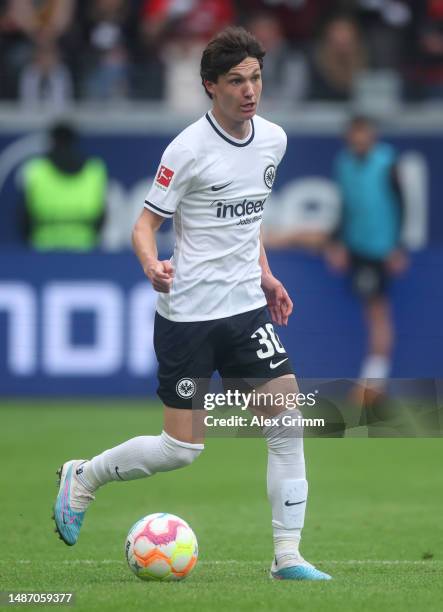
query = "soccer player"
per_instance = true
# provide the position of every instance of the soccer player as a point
(367, 242)
(214, 297)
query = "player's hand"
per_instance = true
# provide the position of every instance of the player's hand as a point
(337, 257)
(161, 274)
(397, 262)
(279, 303)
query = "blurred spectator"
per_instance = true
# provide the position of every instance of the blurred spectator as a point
(386, 28)
(23, 24)
(46, 81)
(425, 73)
(196, 19)
(50, 19)
(148, 70)
(150, 49)
(64, 196)
(284, 69)
(300, 19)
(367, 242)
(181, 28)
(43, 20)
(107, 59)
(15, 48)
(336, 60)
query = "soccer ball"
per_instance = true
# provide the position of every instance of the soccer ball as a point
(161, 547)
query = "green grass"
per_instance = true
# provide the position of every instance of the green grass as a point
(374, 518)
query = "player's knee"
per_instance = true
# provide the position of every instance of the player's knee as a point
(286, 432)
(186, 456)
(180, 453)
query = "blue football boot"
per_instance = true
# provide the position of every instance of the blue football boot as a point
(295, 569)
(72, 494)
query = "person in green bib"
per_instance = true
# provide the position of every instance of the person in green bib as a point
(65, 195)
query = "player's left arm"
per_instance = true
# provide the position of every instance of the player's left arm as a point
(279, 303)
(397, 261)
(397, 187)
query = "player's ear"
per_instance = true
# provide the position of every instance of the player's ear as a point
(210, 87)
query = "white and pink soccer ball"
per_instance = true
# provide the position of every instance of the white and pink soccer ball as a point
(161, 547)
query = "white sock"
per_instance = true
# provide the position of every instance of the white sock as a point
(137, 458)
(287, 486)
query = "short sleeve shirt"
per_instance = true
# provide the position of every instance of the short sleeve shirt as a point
(215, 188)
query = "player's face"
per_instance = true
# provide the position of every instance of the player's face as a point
(361, 138)
(237, 93)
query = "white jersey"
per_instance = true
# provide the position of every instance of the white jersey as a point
(215, 187)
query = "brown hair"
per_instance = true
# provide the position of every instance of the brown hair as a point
(227, 49)
(357, 121)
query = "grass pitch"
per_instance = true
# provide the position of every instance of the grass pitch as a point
(374, 518)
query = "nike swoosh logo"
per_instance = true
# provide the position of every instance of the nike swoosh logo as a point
(79, 470)
(70, 521)
(275, 365)
(218, 187)
(288, 503)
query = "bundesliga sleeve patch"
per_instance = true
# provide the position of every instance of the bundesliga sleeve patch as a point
(164, 177)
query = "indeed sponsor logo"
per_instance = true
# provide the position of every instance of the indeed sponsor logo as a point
(240, 209)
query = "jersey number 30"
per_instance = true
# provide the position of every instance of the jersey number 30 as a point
(269, 340)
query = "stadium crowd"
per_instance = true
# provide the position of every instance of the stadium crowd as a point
(56, 52)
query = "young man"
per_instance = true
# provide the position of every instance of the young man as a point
(367, 242)
(213, 179)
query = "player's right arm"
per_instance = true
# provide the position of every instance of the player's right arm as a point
(335, 251)
(160, 273)
(173, 179)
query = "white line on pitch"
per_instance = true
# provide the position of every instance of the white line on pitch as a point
(227, 562)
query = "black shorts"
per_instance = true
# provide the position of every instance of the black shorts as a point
(241, 347)
(368, 276)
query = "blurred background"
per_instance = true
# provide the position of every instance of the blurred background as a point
(90, 95)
